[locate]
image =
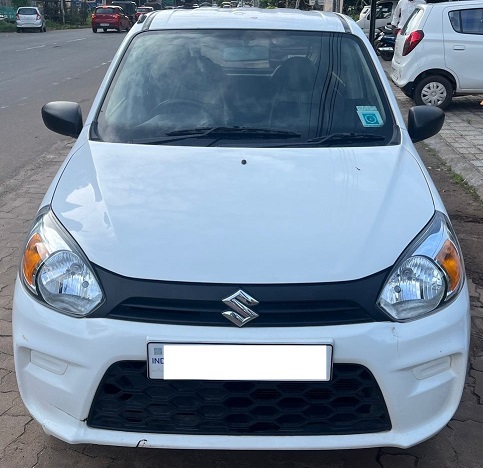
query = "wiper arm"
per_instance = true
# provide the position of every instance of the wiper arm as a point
(233, 131)
(327, 140)
(217, 132)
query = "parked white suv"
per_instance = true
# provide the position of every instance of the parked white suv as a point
(438, 54)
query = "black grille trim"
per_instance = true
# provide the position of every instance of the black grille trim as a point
(351, 403)
(280, 305)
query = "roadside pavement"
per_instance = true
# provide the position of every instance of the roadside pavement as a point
(24, 445)
(460, 142)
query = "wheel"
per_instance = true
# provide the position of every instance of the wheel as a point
(104, 29)
(433, 91)
(94, 30)
(18, 30)
(192, 113)
(119, 28)
(45, 28)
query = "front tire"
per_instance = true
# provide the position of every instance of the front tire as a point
(94, 30)
(434, 91)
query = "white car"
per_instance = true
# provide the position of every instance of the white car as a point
(438, 54)
(384, 12)
(30, 18)
(243, 250)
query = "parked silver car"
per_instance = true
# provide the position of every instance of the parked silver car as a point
(30, 18)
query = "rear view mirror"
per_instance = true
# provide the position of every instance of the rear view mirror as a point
(63, 117)
(424, 122)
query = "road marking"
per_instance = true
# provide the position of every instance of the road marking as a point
(75, 40)
(30, 48)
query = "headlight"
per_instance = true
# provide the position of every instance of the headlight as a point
(429, 274)
(55, 271)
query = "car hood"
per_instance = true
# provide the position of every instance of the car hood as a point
(242, 215)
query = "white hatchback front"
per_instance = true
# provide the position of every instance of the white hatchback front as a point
(243, 249)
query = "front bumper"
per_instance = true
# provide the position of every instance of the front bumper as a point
(420, 367)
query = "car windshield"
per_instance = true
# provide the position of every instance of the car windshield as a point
(106, 11)
(27, 11)
(245, 88)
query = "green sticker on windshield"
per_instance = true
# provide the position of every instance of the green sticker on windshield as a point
(369, 116)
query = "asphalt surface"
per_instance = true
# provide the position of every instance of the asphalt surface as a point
(23, 444)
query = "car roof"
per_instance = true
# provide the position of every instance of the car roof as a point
(249, 18)
(454, 4)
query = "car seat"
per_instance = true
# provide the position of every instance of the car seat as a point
(293, 87)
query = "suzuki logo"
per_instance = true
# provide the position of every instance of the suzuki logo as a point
(241, 314)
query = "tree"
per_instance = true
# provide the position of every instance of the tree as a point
(18, 3)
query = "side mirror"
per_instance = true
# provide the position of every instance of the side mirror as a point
(424, 122)
(63, 117)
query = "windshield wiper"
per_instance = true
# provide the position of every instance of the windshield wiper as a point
(327, 140)
(216, 132)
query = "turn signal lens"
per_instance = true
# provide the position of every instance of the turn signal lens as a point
(449, 260)
(35, 252)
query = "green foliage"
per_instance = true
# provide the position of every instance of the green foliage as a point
(7, 27)
(19, 3)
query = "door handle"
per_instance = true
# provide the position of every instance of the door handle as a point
(459, 47)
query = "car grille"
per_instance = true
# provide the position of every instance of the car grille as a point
(280, 305)
(350, 403)
(286, 314)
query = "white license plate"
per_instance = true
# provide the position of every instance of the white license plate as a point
(239, 362)
(104, 24)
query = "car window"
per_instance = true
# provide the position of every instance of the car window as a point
(467, 21)
(384, 10)
(412, 24)
(306, 83)
(107, 11)
(27, 11)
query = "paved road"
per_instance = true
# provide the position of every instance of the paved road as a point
(38, 68)
(24, 445)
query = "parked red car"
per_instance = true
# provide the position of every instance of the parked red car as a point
(109, 17)
(143, 10)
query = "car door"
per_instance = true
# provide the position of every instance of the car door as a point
(463, 45)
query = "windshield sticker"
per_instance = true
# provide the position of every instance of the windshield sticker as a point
(369, 116)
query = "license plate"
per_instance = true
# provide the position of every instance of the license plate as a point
(104, 24)
(239, 362)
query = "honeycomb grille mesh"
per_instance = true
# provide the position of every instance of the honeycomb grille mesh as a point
(350, 403)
